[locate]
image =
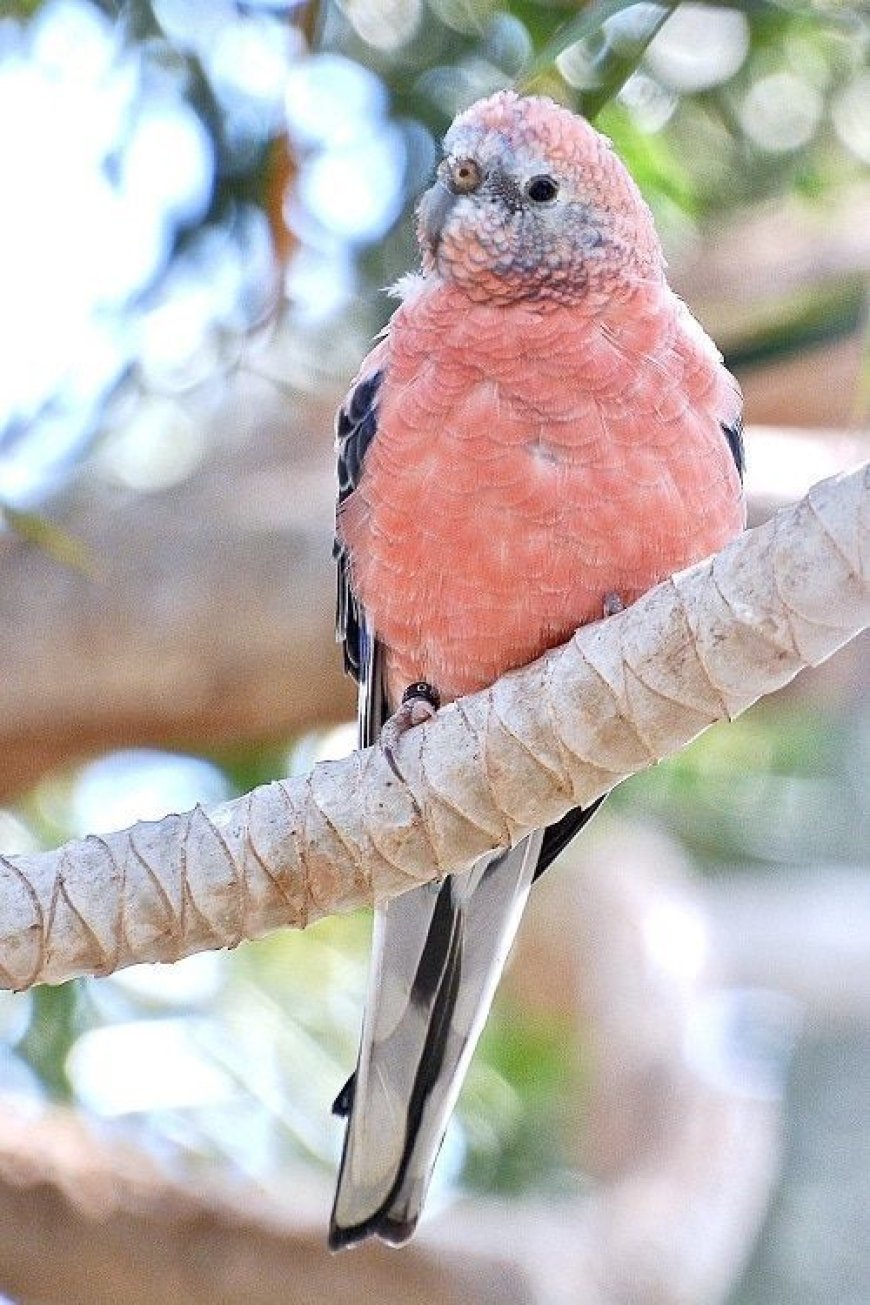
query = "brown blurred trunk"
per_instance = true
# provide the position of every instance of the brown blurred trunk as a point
(89, 1222)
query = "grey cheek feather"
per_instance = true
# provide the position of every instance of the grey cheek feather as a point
(585, 225)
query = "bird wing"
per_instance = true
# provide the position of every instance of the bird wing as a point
(733, 432)
(355, 427)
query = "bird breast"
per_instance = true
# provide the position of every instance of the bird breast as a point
(527, 463)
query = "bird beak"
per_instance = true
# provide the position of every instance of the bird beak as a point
(435, 208)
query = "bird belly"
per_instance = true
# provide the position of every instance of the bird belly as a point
(493, 518)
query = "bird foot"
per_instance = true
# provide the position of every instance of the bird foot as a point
(613, 604)
(420, 701)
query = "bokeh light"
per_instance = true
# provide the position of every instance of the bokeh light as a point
(781, 112)
(699, 46)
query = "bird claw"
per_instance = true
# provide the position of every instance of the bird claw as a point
(420, 701)
(613, 604)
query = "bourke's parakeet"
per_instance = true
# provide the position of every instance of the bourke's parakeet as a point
(542, 433)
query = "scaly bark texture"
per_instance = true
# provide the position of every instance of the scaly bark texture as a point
(620, 695)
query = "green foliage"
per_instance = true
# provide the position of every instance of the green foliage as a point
(49, 537)
(523, 1096)
(772, 788)
(51, 1032)
(612, 63)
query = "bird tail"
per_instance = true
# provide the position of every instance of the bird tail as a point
(437, 956)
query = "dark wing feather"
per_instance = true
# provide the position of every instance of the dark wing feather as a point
(733, 432)
(355, 427)
(558, 835)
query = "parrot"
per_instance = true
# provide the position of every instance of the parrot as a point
(541, 434)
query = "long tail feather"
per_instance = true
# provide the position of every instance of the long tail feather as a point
(438, 954)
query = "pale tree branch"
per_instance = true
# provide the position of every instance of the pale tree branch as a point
(619, 696)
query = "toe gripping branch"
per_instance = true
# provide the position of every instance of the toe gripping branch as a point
(420, 701)
(421, 690)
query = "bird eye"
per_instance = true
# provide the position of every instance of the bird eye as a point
(542, 189)
(464, 176)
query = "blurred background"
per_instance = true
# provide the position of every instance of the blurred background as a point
(201, 204)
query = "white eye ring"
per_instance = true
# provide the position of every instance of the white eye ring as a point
(542, 189)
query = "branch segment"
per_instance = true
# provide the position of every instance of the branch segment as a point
(620, 695)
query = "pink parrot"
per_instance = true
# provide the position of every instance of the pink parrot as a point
(542, 434)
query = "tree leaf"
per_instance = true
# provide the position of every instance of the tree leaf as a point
(50, 538)
(612, 65)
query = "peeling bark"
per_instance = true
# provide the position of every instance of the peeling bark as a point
(620, 695)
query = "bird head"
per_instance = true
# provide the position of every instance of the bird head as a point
(531, 202)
